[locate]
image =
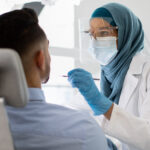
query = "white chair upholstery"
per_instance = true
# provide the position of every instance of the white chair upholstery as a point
(13, 86)
(13, 92)
(6, 142)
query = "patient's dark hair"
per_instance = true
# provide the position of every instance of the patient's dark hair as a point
(19, 30)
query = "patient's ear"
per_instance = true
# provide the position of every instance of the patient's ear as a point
(40, 60)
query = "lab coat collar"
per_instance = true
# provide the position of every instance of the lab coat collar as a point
(137, 63)
(134, 72)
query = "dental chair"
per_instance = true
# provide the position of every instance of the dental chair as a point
(13, 92)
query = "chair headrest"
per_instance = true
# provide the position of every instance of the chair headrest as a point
(13, 86)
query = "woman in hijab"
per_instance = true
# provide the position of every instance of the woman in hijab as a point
(117, 42)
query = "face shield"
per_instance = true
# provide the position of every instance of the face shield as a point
(84, 41)
(97, 34)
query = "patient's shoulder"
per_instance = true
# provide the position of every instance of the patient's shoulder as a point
(59, 122)
(59, 117)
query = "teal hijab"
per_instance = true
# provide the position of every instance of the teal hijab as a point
(130, 41)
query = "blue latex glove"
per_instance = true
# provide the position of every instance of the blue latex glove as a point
(83, 80)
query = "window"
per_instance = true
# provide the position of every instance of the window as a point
(60, 66)
(58, 22)
(58, 90)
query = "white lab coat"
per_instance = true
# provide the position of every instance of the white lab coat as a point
(130, 121)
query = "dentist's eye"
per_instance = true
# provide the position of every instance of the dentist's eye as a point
(103, 33)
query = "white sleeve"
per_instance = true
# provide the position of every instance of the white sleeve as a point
(129, 129)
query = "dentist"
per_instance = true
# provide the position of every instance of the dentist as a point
(117, 42)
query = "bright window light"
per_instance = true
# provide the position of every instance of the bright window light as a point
(58, 22)
(59, 95)
(59, 66)
(58, 89)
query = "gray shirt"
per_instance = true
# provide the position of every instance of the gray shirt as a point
(44, 126)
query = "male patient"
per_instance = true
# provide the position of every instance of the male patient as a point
(40, 125)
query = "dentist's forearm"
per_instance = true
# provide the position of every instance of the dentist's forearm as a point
(109, 112)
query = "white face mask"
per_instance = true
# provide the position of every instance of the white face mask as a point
(104, 49)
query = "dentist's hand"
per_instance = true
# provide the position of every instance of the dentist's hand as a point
(83, 80)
